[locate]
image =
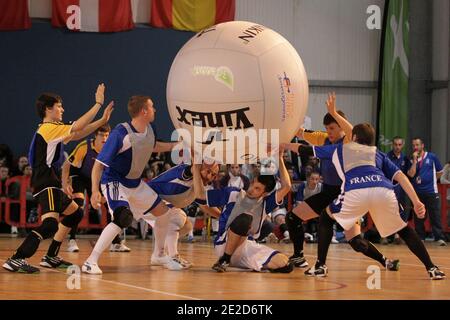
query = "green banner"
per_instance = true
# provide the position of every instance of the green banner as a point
(393, 108)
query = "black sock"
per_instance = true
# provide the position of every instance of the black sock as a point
(225, 258)
(53, 249)
(359, 244)
(416, 246)
(28, 247)
(116, 240)
(296, 233)
(73, 233)
(325, 234)
(373, 253)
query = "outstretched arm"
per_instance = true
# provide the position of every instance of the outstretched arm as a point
(285, 180)
(164, 146)
(91, 127)
(419, 207)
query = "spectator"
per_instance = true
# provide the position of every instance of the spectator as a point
(21, 164)
(445, 178)
(234, 178)
(425, 169)
(166, 166)
(397, 157)
(306, 189)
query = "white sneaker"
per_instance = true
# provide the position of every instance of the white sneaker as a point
(119, 247)
(73, 247)
(14, 230)
(159, 261)
(91, 268)
(333, 240)
(441, 243)
(176, 264)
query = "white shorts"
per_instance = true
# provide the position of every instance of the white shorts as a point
(278, 212)
(249, 255)
(381, 203)
(141, 200)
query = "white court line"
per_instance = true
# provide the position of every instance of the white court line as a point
(130, 286)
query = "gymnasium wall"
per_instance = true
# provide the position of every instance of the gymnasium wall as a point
(339, 53)
(72, 64)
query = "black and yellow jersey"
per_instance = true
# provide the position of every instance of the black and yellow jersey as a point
(82, 158)
(46, 154)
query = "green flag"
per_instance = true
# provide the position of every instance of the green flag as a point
(394, 74)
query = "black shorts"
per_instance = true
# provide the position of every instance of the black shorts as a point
(53, 200)
(80, 184)
(320, 201)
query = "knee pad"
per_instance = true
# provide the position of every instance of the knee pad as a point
(177, 217)
(359, 244)
(48, 228)
(72, 220)
(79, 202)
(241, 224)
(122, 217)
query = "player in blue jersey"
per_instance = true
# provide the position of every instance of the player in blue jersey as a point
(241, 219)
(118, 168)
(175, 187)
(367, 176)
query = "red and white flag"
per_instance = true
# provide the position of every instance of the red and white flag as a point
(93, 15)
(14, 15)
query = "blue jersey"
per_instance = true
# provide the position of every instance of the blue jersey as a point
(359, 166)
(116, 156)
(425, 181)
(227, 197)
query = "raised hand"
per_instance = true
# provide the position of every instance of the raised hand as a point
(107, 112)
(331, 103)
(100, 94)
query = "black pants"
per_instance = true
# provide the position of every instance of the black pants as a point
(432, 203)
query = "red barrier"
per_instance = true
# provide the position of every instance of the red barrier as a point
(22, 203)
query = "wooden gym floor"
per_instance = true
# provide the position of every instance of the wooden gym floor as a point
(129, 276)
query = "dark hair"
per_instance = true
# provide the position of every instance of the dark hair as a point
(397, 138)
(328, 118)
(365, 134)
(309, 174)
(268, 181)
(44, 101)
(418, 138)
(136, 104)
(103, 128)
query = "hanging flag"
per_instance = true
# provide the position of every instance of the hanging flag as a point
(394, 74)
(93, 15)
(190, 15)
(14, 15)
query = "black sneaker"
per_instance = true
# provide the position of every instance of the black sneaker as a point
(436, 274)
(317, 271)
(54, 262)
(19, 265)
(392, 265)
(298, 261)
(220, 266)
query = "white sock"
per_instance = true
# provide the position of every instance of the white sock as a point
(192, 220)
(104, 241)
(160, 233)
(172, 240)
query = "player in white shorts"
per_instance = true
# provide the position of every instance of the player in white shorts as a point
(175, 186)
(241, 220)
(120, 165)
(367, 176)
